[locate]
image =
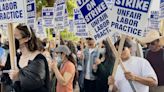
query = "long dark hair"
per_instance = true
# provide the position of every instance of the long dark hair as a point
(33, 43)
(109, 56)
(71, 46)
(71, 59)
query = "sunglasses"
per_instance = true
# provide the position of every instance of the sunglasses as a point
(122, 49)
(152, 43)
(59, 53)
(89, 39)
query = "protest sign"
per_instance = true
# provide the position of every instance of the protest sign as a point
(161, 9)
(96, 14)
(66, 20)
(80, 24)
(130, 17)
(162, 17)
(40, 31)
(12, 11)
(31, 13)
(60, 11)
(48, 15)
(154, 20)
(4, 28)
(71, 25)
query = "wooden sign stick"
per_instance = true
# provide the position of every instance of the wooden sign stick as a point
(117, 55)
(162, 27)
(118, 60)
(12, 46)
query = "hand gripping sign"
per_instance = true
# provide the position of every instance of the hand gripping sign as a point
(129, 17)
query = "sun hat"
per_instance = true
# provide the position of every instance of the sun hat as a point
(152, 36)
(63, 49)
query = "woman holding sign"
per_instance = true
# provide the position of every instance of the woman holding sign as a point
(33, 73)
(103, 67)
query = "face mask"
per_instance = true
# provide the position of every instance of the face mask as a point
(78, 48)
(102, 51)
(16, 44)
(44, 44)
(59, 59)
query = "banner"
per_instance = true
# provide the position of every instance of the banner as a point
(48, 15)
(130, 17)
(96, 14)
(12, 11)
(31, 13)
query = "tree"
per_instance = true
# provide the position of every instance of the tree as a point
(43, 3)
(71, 4)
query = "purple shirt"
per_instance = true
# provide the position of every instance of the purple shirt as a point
(156, 59)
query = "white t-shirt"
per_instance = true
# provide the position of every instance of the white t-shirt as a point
(138, 66)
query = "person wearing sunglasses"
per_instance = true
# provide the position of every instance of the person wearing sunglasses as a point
(139, 71)
(155, 55)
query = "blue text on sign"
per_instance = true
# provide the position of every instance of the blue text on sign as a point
(138, 5)
(93, 9)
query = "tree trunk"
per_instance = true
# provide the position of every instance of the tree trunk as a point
(50, 2)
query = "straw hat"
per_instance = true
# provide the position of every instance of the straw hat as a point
(152, 36)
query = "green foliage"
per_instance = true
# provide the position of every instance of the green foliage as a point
(66, 35)
(40, 4)
(71, 4)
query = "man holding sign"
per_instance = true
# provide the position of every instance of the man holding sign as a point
(140, 72)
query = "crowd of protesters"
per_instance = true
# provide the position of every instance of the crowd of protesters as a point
(44, 66)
